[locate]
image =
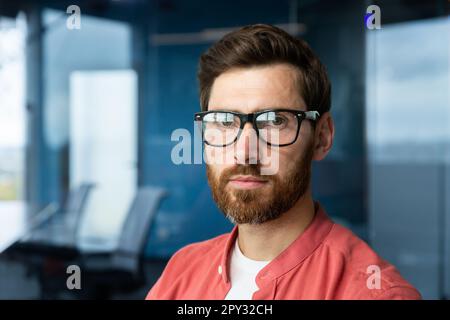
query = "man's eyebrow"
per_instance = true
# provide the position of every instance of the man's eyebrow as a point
(223, 109)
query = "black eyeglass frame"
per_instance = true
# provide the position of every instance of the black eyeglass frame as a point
(251, 117)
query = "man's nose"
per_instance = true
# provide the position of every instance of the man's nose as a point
(246, 148)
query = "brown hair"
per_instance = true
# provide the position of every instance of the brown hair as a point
(263, 44)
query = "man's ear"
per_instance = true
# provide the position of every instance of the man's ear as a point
(323, 136)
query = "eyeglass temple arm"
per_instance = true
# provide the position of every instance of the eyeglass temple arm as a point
(312, 115)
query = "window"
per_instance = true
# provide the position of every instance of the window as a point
(12, 107)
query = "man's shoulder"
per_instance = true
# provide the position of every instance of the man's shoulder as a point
(343, 241)
(365, 270)
(202, 248)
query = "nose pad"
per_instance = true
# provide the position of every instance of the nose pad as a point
(246, 147)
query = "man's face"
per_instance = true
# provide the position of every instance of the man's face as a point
(239, 189)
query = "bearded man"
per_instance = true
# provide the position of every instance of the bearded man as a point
(261, 84)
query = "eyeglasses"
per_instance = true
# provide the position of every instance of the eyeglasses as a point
(276, 127)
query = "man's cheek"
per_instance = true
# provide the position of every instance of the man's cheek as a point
(215, 171)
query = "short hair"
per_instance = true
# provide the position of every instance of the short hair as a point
(261, 45)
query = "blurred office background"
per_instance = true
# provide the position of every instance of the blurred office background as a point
(86, 117)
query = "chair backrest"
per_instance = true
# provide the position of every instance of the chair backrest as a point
(77, 198)
(136, 227)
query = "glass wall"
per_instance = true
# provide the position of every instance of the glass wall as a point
(408, 132)
(90, 116)
(103, 145)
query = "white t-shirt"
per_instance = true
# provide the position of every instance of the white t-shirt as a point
(243, 272)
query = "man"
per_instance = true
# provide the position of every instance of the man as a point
(261, 82)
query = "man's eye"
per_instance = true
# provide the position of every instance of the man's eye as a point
(226, 124)
(278, 121)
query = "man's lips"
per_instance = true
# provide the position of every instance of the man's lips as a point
(247, 182)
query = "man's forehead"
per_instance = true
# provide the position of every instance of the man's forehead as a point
(257, 88)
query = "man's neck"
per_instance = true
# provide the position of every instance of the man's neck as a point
(265, 241)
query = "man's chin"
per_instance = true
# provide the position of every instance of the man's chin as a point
(247, 195)
(250, 214)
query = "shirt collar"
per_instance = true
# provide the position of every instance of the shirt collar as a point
(293, 255)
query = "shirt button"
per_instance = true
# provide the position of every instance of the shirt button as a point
(220, 269)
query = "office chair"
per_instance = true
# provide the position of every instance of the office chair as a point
(50, 237)
(106, 270)
(74, 209)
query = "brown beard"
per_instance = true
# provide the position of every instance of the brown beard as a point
(257, 206)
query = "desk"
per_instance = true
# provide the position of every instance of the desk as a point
(16, 219)
(58, 236)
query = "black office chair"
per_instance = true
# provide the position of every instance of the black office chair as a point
(62, 225)
(76, 201)
(107, 269)
(74, 208)
(31, 249)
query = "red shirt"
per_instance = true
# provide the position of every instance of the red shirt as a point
(327, 261)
